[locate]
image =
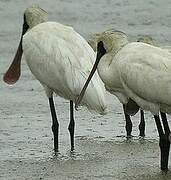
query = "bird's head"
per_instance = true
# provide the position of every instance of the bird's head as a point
(35, 15)
(113, 40)
(32, 16)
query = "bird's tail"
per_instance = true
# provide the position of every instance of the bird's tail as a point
(94, 97)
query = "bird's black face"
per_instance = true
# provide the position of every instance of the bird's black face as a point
(25, 26)
(101, 51)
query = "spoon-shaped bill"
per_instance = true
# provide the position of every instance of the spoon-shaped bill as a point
(13, 73)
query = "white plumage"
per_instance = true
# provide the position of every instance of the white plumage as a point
(115, 40)
(144, 71)
(61, 60)
(110, 76)
(145, 74)
(141, 72)
(132, 70)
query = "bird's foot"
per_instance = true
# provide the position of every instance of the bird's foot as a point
(129, 137)
(142, 135)
(56, 153)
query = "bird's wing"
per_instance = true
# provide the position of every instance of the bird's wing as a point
(80, 58)
(146, 73)
(67, 59)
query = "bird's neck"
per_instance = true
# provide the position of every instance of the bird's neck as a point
(104, 64)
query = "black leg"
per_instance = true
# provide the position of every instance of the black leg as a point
(159, 126)
(128, 122)
(163, 141)
(165, 123)
(71, 125)
(142, 124)
(55, 124)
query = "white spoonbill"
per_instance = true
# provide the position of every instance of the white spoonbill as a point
(143, 73)
(61, 60)
(119, 36)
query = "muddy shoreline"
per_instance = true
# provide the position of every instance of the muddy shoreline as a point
(102, 152)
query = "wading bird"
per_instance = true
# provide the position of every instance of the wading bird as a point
(130, 105)
(61, 60)
(143, 73)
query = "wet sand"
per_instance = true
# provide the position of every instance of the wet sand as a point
(102, 152)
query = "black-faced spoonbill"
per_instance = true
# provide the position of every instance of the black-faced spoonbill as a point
(143, 73)
(61, 60)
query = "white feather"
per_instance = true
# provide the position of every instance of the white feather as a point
(145, 73)
(61, 60)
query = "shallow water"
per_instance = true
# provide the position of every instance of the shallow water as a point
(102, 151)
